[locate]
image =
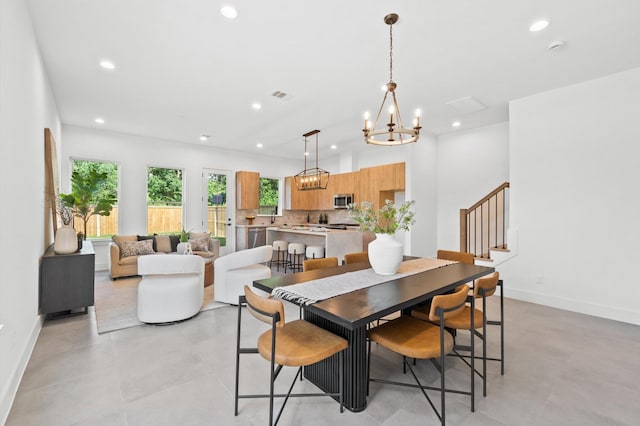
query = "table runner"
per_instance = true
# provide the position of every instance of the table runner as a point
(324, 288)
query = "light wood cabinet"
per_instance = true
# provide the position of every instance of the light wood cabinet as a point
(247, 190)
(300, 200)
(378, 183)
(373, 184)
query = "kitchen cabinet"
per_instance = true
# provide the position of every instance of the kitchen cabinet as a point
(250, 236)
(67, 280)
(301, 200)
(247, 190)
(378, 183)
(373, 184)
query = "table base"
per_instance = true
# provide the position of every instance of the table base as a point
(324, 374)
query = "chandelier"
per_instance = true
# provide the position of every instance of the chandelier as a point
(314, 178)
(391, 133)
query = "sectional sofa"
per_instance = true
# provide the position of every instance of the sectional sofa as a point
(124, 250)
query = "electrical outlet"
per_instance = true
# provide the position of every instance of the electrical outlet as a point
(539, 280)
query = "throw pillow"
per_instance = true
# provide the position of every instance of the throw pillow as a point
(148, 237)
(175, 240)
(135, 248)
(163, 243)
(200, 244)
(120, 238)
(199, 235)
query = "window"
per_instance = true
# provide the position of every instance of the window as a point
(99, 226)
(269, 197)
(164, 200)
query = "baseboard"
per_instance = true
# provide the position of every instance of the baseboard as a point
(10, 388)
(608, 312)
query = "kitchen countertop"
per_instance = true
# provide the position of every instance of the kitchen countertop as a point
(253, 226)
(337, 242)
(310, 230)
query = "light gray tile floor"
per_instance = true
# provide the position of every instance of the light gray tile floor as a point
(562, 368)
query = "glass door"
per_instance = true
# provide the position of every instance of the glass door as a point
(219, 207)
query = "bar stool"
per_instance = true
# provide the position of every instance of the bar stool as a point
(295, 257)
(315, 252)
(279, 252)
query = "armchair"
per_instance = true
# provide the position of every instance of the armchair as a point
(235, 270)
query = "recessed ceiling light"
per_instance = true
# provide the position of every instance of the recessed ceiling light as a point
(99, 120)
(539, 25)
(107, 65)
(456, 124)
(333, 147)
(259, 145)
(204, 137)
(256, 105)
(229, 12)
(306, 153)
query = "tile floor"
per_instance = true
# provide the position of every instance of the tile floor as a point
(562, 368)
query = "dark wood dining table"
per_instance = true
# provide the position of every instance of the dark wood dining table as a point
(347, 315)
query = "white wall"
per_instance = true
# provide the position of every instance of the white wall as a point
(421, 176)
(574, 159)
(471, 164)
(26, 107)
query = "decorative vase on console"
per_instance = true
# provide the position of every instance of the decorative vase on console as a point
(65, 240)
(385, 253)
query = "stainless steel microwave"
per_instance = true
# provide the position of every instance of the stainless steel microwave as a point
(342, 201)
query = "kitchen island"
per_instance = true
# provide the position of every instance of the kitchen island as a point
(336, 242)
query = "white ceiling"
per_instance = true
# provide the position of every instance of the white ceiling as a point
(183, 70)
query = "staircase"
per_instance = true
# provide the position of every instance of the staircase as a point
(484, 229)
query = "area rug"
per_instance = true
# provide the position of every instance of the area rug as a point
(116, 302)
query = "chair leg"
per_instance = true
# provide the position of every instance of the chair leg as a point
(238, 360)
(472, 333)
(442, 385)
(341, 380)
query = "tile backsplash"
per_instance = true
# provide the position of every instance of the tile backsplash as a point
(294, 217)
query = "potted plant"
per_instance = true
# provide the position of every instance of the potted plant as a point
(385, 253)
(86, 198)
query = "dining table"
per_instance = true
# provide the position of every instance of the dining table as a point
(349, 314)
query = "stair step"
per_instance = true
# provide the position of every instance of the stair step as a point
(505, 249)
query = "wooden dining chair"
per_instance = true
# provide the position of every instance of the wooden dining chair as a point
(362, 256)
(458, 256)
(413, 338)
(295, 344)
(323, 262)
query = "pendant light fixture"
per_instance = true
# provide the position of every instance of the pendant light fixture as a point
(314, 178)
(393, 133)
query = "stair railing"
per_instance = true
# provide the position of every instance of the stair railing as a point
(483, 226)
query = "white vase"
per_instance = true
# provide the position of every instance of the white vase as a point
(385, 254)
(66, 240)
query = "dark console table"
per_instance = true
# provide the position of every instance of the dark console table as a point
(67, 282)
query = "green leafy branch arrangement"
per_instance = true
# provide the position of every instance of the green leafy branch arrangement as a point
(388, 220)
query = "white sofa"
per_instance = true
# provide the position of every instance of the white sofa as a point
(235, 270)
(171, 287)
